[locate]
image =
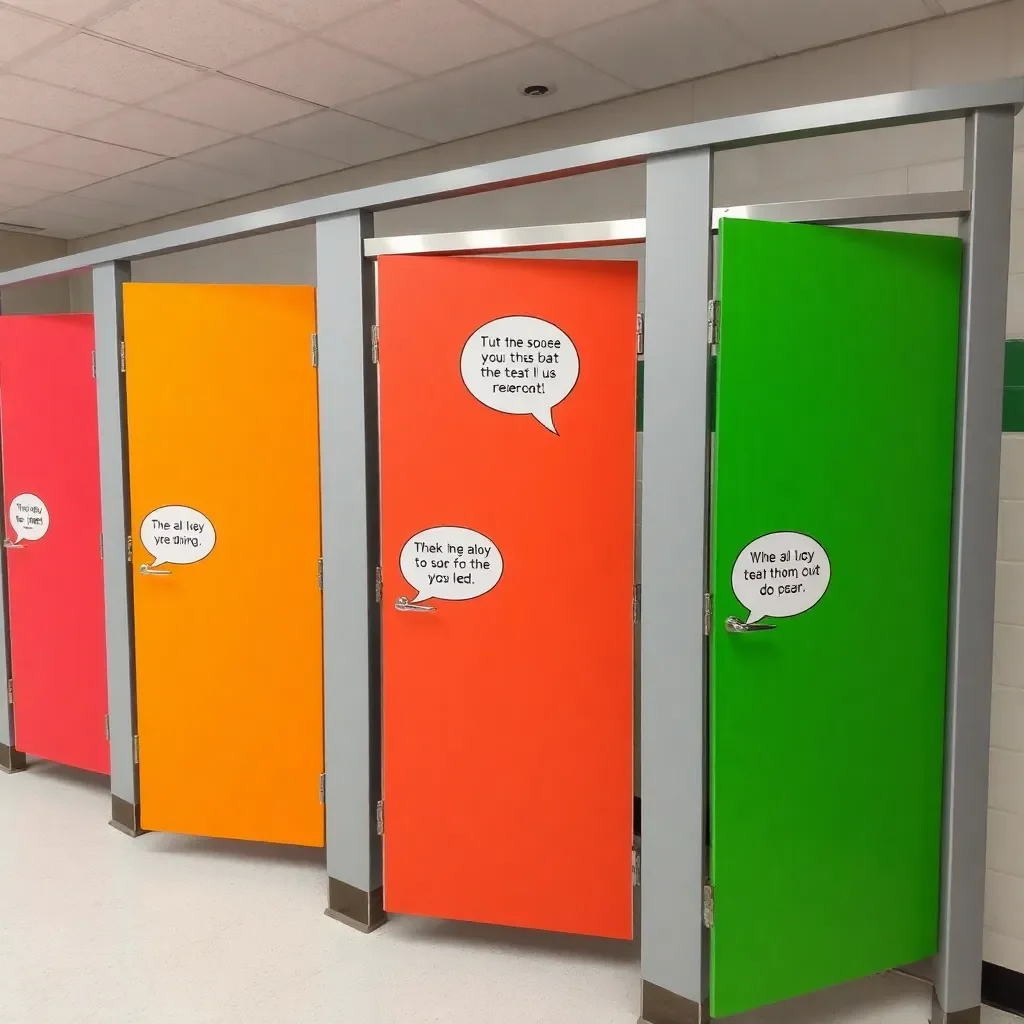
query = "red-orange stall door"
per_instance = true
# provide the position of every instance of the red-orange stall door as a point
(508, 716)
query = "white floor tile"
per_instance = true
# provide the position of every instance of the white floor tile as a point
(102, 929)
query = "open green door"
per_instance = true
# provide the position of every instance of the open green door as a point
(831, 511)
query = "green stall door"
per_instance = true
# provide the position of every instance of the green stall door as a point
(831, 511)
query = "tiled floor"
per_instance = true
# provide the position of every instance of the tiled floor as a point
(96, 928)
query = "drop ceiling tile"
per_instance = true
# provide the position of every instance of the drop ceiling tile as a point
(20, 195)
(155, 133)
(107, 69)
(486, 95)
(48, 106)
(675, 41)
(62, 225)
(71, 12)
(397, 32)
(50, 179)
(347, 139)
(553, 17)
(265, 162)
(20, 33)
(318, 72)
(15, 136)
(205, 184)
(134, 193)
(308, 14)
(952, 6)
(785, 26)
(206, 32)
(229, 105)
(79, 154)
(434, 110)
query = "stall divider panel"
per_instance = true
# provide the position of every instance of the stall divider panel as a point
(831, 518)
(508, 436)
(224, 473)
(51, 489)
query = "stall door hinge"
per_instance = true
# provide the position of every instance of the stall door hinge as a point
(128, 547)
(135, 747)
(10, 691)
(639, 334)
(122, 356)
(714, 321)
(375, 344)
(380, 817)
(707, 615)
(636, 602)
(320, 574)
(106, 727)
(101, 547)
(314, 343)
(635, 867)
(94, 364)
(709, 905)
(323, 788)
(378, 589)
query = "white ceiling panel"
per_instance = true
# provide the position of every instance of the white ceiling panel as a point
(48, 106)
(19, 195)
(316, 71)
(107, 69)
(133, 193)
(50, 179)
(227, 104)
(785, 26)
(205, 184)
(265, 162)
(20, 33)
(307, 14)
(553, 17)
(347, 139)
(206, 32)
(668, 43)
(71, 12)
(434, 110)
(155, 133)
(952, 6)
(458, 34)
(15, 136)
(63, 225)
(88, 155)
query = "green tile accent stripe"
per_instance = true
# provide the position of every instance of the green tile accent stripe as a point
(1013, 393)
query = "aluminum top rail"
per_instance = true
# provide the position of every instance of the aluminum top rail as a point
(838, 116)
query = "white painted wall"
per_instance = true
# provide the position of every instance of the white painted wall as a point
(977, 45)
(17, 249)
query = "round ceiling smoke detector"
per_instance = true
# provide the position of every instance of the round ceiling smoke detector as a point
(537, 89)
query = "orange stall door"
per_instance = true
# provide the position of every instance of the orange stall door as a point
(508, 434)
(225, 502)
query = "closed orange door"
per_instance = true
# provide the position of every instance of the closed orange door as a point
(508, 432)
(225, 505)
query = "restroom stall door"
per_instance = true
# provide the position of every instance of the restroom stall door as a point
(224, 464)
(831, 512)
(50, 452)
(508, 708)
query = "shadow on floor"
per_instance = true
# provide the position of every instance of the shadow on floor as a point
(76, 777)
(234, 849)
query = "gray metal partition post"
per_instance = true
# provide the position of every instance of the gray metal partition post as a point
(107, 281)
(988, 172)
(351, 547)
(11, 759)
(672, 621)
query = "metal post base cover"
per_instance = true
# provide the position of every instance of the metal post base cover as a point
(659, 1006)
(11, 760)
(357, 908)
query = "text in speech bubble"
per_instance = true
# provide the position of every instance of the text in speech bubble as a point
(452, 563)
(29, 517)
(521, 365)
(177, 534)
(781, 575)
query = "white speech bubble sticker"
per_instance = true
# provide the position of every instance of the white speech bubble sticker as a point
(29, 517)
(521, 365)
(781, 575)
(452, 563)
(177, 534)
